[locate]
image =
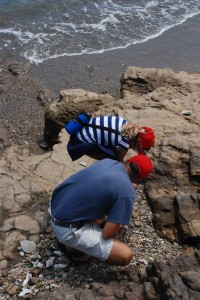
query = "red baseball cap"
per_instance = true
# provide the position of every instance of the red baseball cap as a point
(146, 137)
(144, 164)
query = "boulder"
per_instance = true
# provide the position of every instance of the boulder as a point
(71, 103)
(169, 103)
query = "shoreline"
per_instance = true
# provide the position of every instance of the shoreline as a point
(177, 49)
(22, 116)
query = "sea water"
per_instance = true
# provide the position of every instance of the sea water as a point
(42, 29)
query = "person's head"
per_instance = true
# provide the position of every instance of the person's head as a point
(140, 166)
(146, 138)
(140, 138)
(130, 131)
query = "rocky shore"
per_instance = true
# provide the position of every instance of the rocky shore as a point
(165, 229)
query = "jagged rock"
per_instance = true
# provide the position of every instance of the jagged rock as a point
(149, 291)
(178, 279)
(195, 163)
(50, 262)
(134, 291)
(45, 97)
(191, 279)
(161, 94)
(72, 102)
(16, 68)
(188, 216)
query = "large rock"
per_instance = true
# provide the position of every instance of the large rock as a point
(169, 102)
(26, 183)
(173, 280)
(71, 102)
(188, 215)
(176, 280)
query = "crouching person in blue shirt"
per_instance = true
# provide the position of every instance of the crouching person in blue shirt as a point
(103, 189)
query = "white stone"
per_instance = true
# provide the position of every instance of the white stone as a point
(186, 112)
(83, 164)
(26, 280)
(144, 261)
(60, 266)
(28, 246)
(58, 253)
(40, 265)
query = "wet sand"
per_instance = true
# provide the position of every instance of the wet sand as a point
(177, 49)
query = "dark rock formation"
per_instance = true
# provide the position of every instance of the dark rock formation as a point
(176, 280)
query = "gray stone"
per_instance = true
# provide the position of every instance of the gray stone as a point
(60, 266)
(28, 246)
(191, 279)
(50, 262)
(3, 264)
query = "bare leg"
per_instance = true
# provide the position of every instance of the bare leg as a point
(120, 255)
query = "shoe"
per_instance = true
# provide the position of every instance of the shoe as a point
(44, 145)
(75, 256)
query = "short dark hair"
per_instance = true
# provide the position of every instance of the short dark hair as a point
(134, 173)
(134, 168)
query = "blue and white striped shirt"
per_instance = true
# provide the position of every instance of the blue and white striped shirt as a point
(104, 137)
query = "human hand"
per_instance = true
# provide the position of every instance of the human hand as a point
(121, 228)
(135, 186)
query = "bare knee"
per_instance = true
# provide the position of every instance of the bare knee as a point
(127, 257)
(120, 255)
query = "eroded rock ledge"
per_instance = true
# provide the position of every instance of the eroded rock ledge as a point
(169, 103)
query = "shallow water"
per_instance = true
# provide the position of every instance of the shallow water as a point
(39, 30)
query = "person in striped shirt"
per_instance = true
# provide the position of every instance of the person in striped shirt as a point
(110, 136)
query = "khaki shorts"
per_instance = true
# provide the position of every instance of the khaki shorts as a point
(87, 239)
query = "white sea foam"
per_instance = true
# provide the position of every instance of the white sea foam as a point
(88, 27)
(33, 58)
(25, 36)
(152, 3)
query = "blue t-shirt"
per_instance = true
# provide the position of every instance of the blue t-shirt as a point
(102, 189)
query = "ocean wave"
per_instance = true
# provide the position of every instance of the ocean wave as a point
(33, 58)
(86, 27)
